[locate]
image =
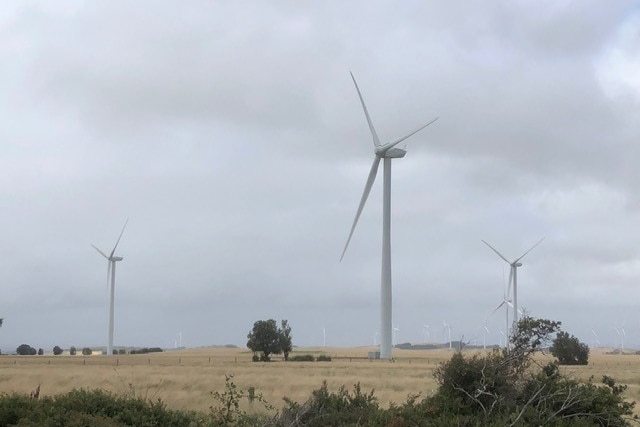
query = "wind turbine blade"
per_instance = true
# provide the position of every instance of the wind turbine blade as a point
(119, 237)
(365, 195)
(532, 247)
(498, 307)
(376, 140)
(101, 253)
(494, 250)
(399, 140)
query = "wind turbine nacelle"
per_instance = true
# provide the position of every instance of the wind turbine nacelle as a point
(518, 264)
(117, 258)
(394, 153)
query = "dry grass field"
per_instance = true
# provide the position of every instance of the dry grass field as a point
(184, 379)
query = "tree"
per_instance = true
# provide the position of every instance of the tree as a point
(72, 351)
(86, 351)
(40, 352)
(569, 350)
(57, 351)
(26, 350)
(286, 341)
(267, 338)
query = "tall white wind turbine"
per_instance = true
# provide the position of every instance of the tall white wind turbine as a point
(387, 152)
(111, 280)
(513, 276)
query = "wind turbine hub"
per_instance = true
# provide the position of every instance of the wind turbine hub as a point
(393, 153)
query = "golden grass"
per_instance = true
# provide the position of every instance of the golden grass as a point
(184, 379)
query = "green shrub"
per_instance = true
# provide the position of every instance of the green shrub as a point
(84, 408)
(86, 351)
(146, 350)
(324, 358)
(302, 358)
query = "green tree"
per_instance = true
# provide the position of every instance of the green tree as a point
(26, 350)
(569, 350)
(40, 352)
(86, 351)
(265, 338)
(72, 350)
(57, 351)
(286, 341)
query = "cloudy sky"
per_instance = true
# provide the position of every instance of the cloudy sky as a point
(231, 136)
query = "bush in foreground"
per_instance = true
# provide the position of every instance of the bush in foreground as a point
(88, 408)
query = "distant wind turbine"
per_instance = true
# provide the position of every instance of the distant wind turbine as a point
(426, 333)
(596, 340)
(446, 328)
(111, 277)
(324, 337)
(485, 331)
(513, 275)
(395, 336)
(621, 333)
(387, 152)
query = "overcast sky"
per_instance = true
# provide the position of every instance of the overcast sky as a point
(231, 136)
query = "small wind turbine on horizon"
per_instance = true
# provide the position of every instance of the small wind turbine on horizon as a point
(596, 341)
(111, 281)
(513, 276)
(426, 333)
(387, 152)
(485, 331)
(447, 327)
(621, 333)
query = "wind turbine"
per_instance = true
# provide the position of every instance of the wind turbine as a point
(485, 331)
(426, 333)
(596, 340)
(387, 151)
(395, 336)
(513, 276)
(447, 327)
(506, 302)
(111, 277)
(620, 331)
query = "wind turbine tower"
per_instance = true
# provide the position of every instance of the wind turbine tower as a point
(513, 276)
(387, 152)
(111, 280)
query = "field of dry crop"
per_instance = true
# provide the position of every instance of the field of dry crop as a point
(184, 379)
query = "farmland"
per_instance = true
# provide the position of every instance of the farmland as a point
(184, 379)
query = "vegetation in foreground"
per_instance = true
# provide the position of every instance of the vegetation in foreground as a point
(497, 389)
